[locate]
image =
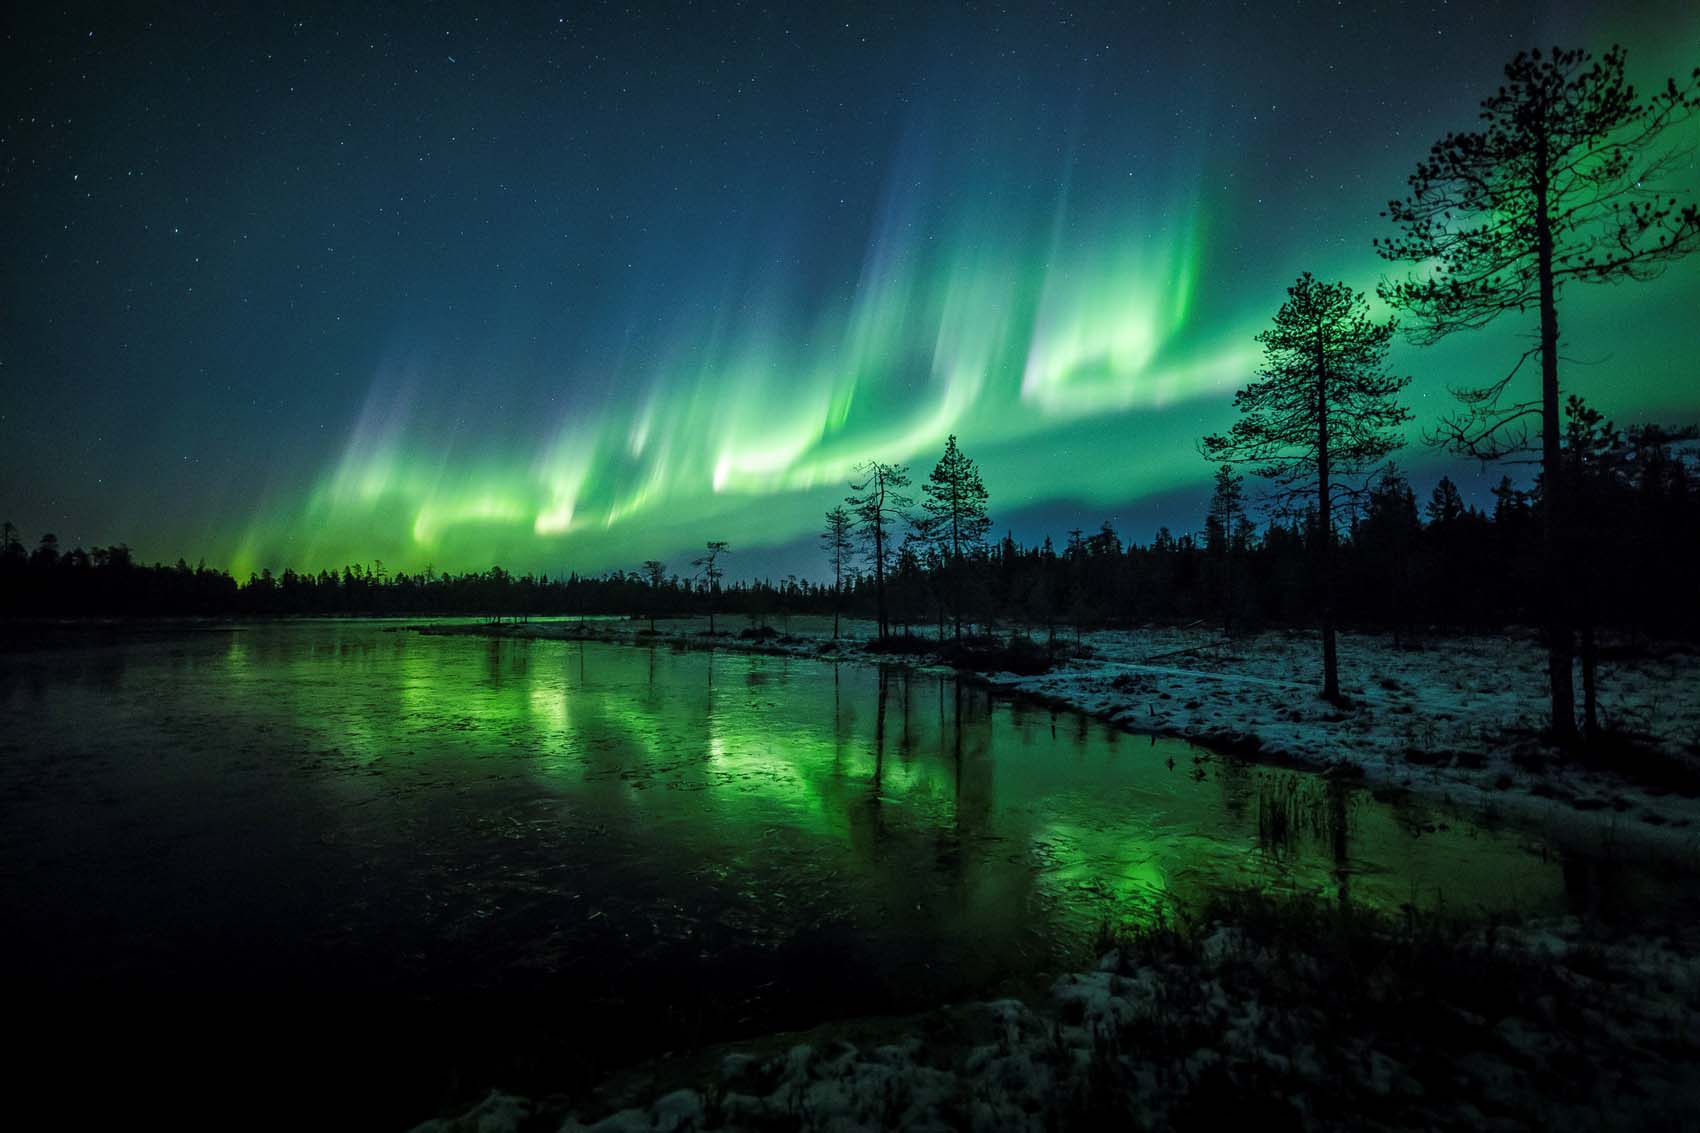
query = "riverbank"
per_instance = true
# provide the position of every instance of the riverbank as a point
(1286, 1011)
(1452, 718)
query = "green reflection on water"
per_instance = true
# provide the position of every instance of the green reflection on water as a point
(448, 810)
(913, 793)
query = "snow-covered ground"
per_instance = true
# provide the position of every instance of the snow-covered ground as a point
(1248, 1017)
(1455, 718)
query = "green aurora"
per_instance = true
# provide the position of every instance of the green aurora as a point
(463, 310)
(752, 433)
(1078, 373)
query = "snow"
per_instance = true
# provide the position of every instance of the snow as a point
(1457, 719)
(498, 1113)
(1603, 1028)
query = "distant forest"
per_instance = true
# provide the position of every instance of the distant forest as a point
(1402, 564)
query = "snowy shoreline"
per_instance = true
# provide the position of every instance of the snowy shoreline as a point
(1454, 720)
(1263, 1007)
(1301, 1014)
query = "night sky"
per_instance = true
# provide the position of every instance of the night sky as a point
(577, 285)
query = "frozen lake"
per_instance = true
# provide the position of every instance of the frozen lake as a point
(494, 858)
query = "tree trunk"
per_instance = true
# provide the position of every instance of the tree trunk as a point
(1560, 643)
(1330, 656)
(879, 573)
(956, 560)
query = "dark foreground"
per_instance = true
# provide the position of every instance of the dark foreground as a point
(340, 875)
(1274, 1013)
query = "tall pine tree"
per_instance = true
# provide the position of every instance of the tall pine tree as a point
(1224, 533)
(955, 520)
(1322, 407)
(1561, 183)
(877, 501)
(835, 541)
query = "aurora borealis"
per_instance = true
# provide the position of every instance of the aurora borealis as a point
(570, 287)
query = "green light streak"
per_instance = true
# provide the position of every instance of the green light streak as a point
(749, 426)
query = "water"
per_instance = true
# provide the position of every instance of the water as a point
(543, 857)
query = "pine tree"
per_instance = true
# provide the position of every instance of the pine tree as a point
(655, 571)
(1560, 184)
(1509, 504)
(878, 500)
(709, 564)
(835, 541)
(1322, 407)
(1223, 527)
(955, 520)
(1445, 504)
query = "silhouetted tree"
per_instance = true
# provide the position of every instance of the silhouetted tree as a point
(954, 506)
(876, 501)
(1445, 504)
(835, 541)
(1559, 184)
(655, 571)
(1510, 504)
(1224, 525)
(1322, 407)
(1104, 542)
(709, 564)
(46, 553)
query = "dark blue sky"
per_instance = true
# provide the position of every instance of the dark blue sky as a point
(581, 284)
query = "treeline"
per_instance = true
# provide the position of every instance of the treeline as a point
(108, 581)
(1404, 562)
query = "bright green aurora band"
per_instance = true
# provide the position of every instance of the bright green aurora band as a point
(749, 430)
(1075, 369)
(595, 287)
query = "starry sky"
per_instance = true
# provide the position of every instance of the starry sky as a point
(575, 285)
